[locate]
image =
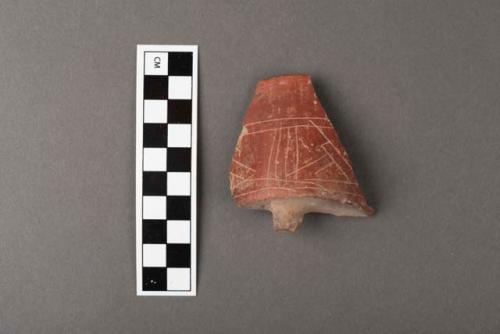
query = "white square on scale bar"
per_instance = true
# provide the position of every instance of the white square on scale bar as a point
(179, 135)
(179, 88)
(154, 255)
(155, 159)
(154, 207)
(179, 279)
(178, 231)
(155, 111)
(178, 183)
(156, 63)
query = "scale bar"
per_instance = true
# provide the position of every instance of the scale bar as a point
(166, 119)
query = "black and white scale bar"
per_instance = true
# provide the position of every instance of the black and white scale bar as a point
(167, 87)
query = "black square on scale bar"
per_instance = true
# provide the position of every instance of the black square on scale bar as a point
(178, 255)
(178, 207)
(155, 87)
(180, 63)
(154, 279)
(154, 231)
(154, 183)
(155, 135)
(178, 159)
(179, 111)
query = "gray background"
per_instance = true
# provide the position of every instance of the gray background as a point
(413, 89)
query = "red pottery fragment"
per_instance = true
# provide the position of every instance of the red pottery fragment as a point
(289, 159)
